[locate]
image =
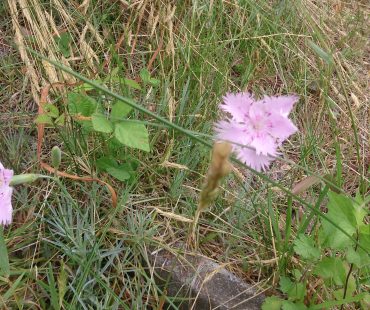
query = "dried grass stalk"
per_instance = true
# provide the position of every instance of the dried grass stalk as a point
(220, 167)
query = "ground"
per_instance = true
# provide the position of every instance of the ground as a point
(69, 247)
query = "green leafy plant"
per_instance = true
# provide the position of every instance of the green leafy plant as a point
(110, 121)
(331, 258)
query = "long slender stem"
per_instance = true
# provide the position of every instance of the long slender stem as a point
(182, 130)
(349, 273)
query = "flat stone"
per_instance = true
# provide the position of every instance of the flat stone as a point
(203, 283)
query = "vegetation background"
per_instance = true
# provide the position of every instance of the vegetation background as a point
(68, 247)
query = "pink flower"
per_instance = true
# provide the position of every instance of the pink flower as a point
(5, 195)
(256, 127)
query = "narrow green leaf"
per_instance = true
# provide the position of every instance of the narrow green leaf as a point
(54, 298)
(133, 135)
(10, 292)
(101, 124)
(4, 258)
(321, 53)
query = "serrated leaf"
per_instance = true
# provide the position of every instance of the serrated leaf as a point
(133, 135)
(272, 303)
(81, 104)
(285, 284)
(43, 119)
(321, 53)
(340, 211)
(295, 291)
(101, 124)
(120, 110)
(51, 110)
(305, 247)
(119, 173)
(288, 305)
(331, 268)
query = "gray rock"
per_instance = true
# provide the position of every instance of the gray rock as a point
(202, 283)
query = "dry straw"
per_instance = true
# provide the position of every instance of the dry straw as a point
(219, 168)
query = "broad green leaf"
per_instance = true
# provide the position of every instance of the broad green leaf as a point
(51, 110)
(103, 163)
(133, 135)
(288, 305)
(101, 124)
(341, 211)
(331, 268)
(119, 173)
(4, 259)
(321, 53)
(60, 120)
(119, 110)
(145, 76)
(63, 43)
(132, 84)
(285, 284)
(44, 119)
(305, 247)
(332, 303)
(272, 303)
(353, 257)
(81, 104)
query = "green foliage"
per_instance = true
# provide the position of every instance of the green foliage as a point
(110, 120)
(305, 247)
(147, 79)
(119, 110)
(4, 259)
(63, 42)
(131, 134)
(101, 124)
(331, 256)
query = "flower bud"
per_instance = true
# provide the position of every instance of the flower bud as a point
(24, 178)
(56, 157)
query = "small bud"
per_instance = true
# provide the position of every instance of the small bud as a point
(56, 157)
(24, 178)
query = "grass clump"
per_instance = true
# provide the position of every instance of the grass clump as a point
(68, 248)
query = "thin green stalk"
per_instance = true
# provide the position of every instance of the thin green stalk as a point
(180, 129)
